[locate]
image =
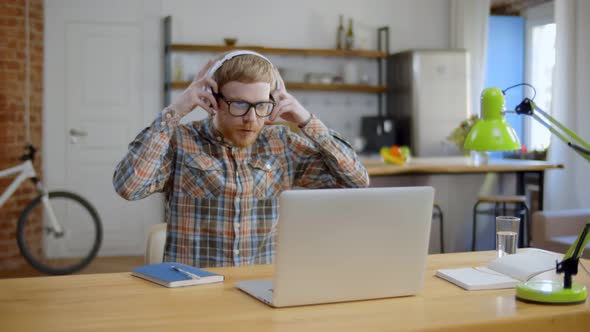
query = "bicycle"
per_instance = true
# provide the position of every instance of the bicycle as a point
(38, 235)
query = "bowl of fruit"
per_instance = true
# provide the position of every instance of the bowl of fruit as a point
(395, 154)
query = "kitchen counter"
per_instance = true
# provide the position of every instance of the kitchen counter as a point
(451, 165)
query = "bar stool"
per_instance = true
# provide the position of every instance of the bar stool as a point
(437, 214)
(519, 209)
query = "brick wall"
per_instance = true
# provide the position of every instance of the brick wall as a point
(12, 111)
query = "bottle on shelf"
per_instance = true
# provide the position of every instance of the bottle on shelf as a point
(349, 36)
(340, 34)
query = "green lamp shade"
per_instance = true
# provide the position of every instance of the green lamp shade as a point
(492, 132)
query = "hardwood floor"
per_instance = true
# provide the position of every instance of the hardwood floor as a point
(98, 265)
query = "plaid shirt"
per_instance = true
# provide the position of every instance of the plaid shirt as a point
(221, 200)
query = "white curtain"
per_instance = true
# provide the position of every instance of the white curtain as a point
(469, 30)
(569, 188)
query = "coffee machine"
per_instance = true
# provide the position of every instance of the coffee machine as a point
(378, 131)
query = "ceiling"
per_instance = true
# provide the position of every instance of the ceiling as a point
(513, 7)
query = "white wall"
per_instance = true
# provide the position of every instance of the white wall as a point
(311, 24)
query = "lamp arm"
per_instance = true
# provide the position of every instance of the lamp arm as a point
(528, 107)
(568, 131)
(578, 246)
(581, 151)
(569, 264)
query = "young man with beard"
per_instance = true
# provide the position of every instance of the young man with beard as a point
(222, 176)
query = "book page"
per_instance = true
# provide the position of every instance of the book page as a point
(523, 266)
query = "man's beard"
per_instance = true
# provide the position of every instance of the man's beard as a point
(244, 136)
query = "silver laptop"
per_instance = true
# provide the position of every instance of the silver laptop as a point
(339, 245)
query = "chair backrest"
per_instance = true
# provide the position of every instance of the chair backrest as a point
(154, 250)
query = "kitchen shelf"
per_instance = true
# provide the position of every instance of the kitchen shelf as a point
(311, 87)
(274, 50)
(380, 56)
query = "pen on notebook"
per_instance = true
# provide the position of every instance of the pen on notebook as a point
(186, 273)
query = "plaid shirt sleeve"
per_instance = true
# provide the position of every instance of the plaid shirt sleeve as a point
(325, 160)
(147, 166)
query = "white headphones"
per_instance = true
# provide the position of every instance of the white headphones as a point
(230, 56)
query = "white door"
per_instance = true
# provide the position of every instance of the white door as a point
(101, 86)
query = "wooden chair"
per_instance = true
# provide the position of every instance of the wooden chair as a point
(154, 250)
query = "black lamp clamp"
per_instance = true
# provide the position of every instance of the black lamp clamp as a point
(524, 108)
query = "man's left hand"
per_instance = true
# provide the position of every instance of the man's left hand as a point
(287, 107)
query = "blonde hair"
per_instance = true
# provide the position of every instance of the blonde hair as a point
(245, 68)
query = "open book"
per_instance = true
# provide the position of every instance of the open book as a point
(503, 272)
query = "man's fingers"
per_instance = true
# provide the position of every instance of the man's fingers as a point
(281, 108)
(275, 115)
(280, 82)
(208, 98)
(284, 95)
(212, 84)
(205, 105)
(204, 70)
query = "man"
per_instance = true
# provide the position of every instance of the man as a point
(222, 176)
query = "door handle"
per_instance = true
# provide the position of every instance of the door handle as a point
(78, 133)
(75, 135)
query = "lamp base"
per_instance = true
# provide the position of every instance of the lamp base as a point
(550, 292)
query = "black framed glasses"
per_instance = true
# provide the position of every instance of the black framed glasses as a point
(240, 108)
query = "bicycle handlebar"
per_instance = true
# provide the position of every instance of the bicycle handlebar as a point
(29, 154)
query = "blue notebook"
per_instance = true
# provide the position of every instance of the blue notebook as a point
(176, 275)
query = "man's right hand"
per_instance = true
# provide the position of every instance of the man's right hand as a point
(197, 94)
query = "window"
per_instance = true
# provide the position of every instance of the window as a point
(540, 64)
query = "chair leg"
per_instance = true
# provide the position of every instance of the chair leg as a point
(442, 237)
(439, 214)
(497, 213)
(474, 237)
(528, 224)
(522, 226)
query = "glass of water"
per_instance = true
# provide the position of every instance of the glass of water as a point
(506, 235)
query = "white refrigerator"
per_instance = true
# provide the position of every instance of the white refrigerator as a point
(428, 96)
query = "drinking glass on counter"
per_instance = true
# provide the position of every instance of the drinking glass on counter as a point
(506, 235)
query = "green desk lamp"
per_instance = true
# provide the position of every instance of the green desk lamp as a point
(547, 291)
(493, 133)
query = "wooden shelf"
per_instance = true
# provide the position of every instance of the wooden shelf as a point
(274, 50)
(335, 87)
(311, 87)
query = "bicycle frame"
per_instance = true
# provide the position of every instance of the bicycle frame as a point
(27, 171)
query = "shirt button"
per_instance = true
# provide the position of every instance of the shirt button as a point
(218, 138)
(267, 166)
(237, 225)
(163, 123)
(236, 252)
(237, 199)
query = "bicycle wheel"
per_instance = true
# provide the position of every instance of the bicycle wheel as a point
(63, 253)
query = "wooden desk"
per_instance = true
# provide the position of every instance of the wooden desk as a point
(462, 165)
(125, 303)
